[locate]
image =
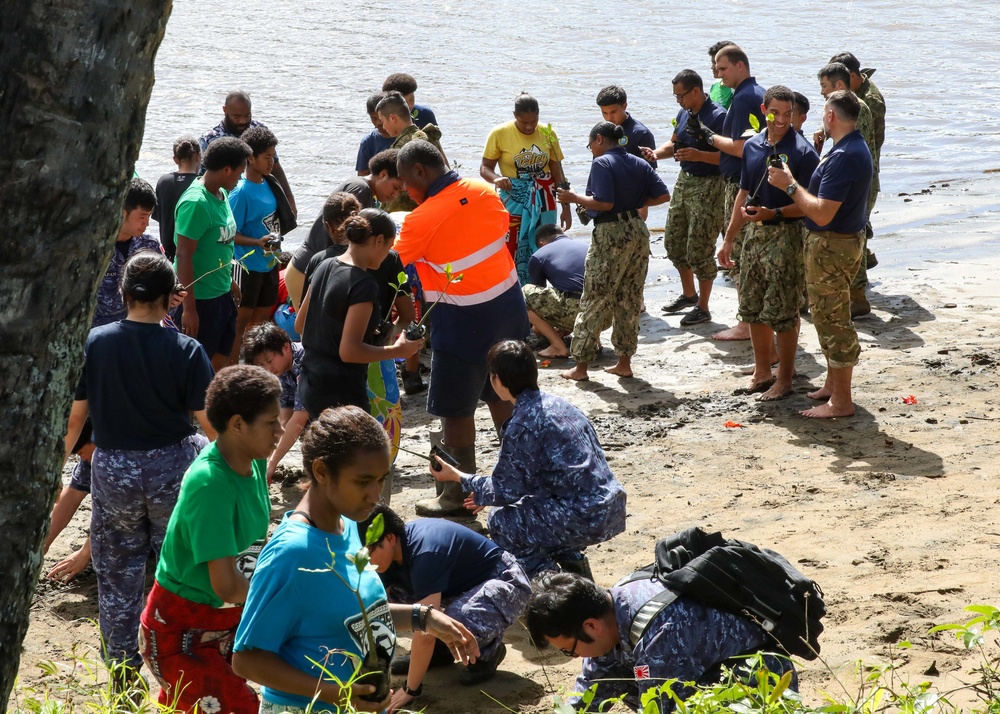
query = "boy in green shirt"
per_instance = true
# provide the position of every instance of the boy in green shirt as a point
(205, 228)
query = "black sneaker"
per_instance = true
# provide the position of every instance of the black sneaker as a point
(442, 657)
(696, 317)
(412, 383)
(870, 260)
(483, 670)
(680, 303)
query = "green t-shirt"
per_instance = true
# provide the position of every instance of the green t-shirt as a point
(218, 514)
(202, 217)
(721, 94)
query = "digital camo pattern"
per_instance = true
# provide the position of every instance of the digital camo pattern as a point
(731, 190)
(696, 217)
(133, 494)
(493, 606)
(831, 263)
(552, 306)
(612, 289)
(552, 492)
(79, 479)
(290, 396)
(110, 304)
(772, 275)
(686, 640)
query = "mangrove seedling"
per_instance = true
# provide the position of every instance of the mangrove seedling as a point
(222, 264)
(416, 331)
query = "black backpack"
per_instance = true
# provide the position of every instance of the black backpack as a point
(736, 577)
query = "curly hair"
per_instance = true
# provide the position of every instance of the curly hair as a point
(242, 389)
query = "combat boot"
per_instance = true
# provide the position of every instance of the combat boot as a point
(859, 303)
(451, 500)
(580, 567)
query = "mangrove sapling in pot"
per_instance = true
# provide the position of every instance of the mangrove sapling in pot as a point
(418, 330)
(754, 199)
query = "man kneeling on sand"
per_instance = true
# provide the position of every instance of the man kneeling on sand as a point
(553, 308)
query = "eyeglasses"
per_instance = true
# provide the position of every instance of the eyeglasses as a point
(680, 97)
(571, 652)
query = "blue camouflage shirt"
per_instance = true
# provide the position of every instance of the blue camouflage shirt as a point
(110, 305)
(685, 641)
(291, 398)
(219, 130)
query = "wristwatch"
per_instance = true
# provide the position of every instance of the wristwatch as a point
(791, 188)
(778, 214)
(710, 139)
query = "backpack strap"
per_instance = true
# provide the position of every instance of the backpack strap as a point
(647, 612)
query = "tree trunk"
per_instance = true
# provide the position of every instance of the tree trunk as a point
(75, 79)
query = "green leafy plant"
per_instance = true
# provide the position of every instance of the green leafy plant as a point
(550, 135)
(415, 332)
(223, 264)
(396, 286)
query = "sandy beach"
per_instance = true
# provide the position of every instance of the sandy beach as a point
(894, 512)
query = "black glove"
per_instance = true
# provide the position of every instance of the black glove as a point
(695, 128)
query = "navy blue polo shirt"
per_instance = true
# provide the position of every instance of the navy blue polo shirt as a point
(561, 263)
(746, 101)
(845, 175)
(793, 149)
(372, 144)
(624, 180)
(637, 135)
(714, 117)
(422, 116)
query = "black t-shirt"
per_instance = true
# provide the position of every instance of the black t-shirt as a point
(168, 191)
(140, 381)
(440, 556)
(318, 238)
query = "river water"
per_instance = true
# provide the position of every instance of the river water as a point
(310, 65)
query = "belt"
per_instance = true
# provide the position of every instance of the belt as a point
(834, 234)
(611, 217)
(730, 179)
(570, 296)
(779, 221)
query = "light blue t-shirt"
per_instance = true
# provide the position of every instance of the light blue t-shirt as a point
(301, 615)
(255, 210)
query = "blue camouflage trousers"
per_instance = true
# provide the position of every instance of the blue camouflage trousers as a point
(492, 606)
(133, 495)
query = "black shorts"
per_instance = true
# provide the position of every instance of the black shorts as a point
(456, 386)
(216, 324)
(257, 289)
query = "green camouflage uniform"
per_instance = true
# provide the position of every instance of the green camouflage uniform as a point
(870, 95)
(694, 222)
(831, 263)
(772, 275)
(612, 289)
(731, 190)
(866, 125)
(555, 307)
(430, 133)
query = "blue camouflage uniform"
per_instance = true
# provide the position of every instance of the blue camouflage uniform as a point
(220, 130)
(552, 491)
(110, 305)
(686, 641)
(291, 398)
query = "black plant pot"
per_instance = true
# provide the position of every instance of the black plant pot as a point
(376, 676)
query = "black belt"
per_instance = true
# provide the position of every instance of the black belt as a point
(570, 296)
(730, 179)
(779, 221)
(611, 217)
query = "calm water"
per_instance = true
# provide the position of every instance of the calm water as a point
(310, 65)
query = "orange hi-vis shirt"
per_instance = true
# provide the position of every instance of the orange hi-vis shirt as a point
(465, 224)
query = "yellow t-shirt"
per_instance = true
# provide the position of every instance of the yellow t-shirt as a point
(520, 155)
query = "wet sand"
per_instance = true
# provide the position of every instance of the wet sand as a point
(894, 512)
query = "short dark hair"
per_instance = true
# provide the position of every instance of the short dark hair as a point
(372, 102)
(338, 435)
(513, 362)
(835, 72)
(780, 93)
(548, 233)
(560, 603)
(186, 147)
(611, 95)
(400, 82)
(612, 132)
(689, 79)
(139, 195)
(394, 103)
(226, 152)
(735, 54)
(384, 161)
(801, 103)
(339, 206)
(393, 524)
(848, 60)
(714, 49)
(845, 104)
(148, 276)
(259, 139)
(237, 94)
(421, 152)
(263, 339)
(242, 389)
(524, 103)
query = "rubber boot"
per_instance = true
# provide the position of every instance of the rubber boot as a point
(436, 437)
(859, 303)
(580, 567)
(451, 501)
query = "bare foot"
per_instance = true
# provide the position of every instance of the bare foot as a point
(71, 566)
(755, 386)
(778, 390)
(733, 334)
(820, 395)
(577, 374)
(619, 371)
(553, 353)
(750, 369)
(827, 411)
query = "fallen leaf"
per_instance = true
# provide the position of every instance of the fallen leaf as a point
(546, 363)
(910, 400)
(733, 425)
